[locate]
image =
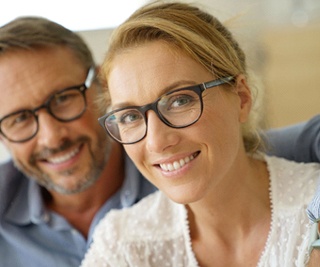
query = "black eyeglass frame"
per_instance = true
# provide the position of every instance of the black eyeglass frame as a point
(198, 89)
(81, 87)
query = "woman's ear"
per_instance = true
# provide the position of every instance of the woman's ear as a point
(244, 93)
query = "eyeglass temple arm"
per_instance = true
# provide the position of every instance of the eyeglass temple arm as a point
(90, 77)
(218, 82)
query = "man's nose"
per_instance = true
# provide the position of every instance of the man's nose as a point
(51, 131)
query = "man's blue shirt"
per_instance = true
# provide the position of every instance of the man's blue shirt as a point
(300, 142)
(31, 235)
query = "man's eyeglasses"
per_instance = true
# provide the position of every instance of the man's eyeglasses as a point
(178, 109)
(66, 105)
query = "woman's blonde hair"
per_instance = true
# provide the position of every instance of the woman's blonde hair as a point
(198, 34)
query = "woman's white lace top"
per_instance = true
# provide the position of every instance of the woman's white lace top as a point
(155, 231)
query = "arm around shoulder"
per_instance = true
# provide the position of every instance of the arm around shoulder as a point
(300, 142)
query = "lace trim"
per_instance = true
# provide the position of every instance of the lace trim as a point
(186, 230)
(271, 230)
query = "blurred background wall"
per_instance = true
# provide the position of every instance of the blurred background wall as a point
(282, 41)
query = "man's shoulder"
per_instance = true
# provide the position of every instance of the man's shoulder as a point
(8, 169)
(307, 146)
(9, 175)
(11, 179)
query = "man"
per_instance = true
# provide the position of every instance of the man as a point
(65, 175)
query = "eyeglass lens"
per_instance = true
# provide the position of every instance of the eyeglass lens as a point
(64, 106)
(177, 109)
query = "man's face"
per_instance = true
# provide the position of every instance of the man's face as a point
(66, 157)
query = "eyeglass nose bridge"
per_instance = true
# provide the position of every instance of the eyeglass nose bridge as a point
(154, 107)
(46, 106)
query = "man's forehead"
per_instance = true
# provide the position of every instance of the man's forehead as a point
(29, 77)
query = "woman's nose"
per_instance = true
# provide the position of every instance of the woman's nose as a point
(159, 135)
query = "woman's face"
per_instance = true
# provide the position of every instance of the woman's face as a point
(205, 155)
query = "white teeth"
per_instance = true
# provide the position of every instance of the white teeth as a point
(176, 164)
(170, 167)
(182, 162)
(164, 167)
(63, 158)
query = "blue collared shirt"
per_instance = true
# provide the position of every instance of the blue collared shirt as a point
(300, 142)
(31, 235)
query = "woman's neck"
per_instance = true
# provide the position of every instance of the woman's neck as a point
(235, 218)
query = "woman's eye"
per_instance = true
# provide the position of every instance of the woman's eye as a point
(180, 101)
(130, 117)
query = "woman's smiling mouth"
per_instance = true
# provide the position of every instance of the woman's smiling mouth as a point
(177, 164)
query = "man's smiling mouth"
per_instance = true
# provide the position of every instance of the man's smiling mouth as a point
(63, 158)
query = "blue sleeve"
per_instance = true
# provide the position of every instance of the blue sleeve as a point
(300, 142)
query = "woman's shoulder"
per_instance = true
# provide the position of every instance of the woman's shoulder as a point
(292, 182)
(292, 186)
(153, 215)
(287, 169)
(132, 236)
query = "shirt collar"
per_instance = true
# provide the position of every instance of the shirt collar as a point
(28, 206)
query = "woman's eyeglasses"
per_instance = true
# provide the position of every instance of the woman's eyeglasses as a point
(178, 109)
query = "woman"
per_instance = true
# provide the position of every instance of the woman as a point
(182, 106)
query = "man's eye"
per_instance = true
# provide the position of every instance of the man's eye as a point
(22, 117)
(18, 120)
(64, 99)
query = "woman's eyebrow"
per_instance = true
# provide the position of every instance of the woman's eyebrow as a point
(174, 86)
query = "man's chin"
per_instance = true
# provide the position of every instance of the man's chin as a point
(68, 190)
